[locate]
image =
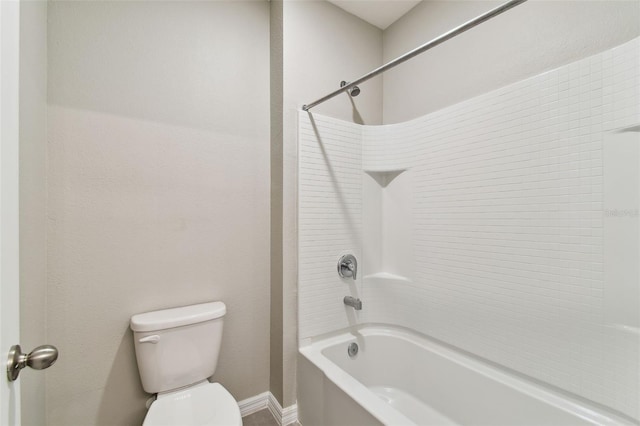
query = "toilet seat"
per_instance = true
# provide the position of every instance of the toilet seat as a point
(206, 404)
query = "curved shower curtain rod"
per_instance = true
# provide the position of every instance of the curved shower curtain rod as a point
(420, 49)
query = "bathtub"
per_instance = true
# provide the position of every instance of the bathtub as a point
(401, 378)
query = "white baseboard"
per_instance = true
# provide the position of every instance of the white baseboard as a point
(253, 404)
(290, 415)
(284, 416)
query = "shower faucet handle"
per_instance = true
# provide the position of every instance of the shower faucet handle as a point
(348, 266)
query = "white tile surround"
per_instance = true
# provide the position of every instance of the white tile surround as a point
(508, 226)
(329, 220)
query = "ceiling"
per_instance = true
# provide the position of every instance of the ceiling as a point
(380, 13)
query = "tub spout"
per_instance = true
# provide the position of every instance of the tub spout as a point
(353, 302)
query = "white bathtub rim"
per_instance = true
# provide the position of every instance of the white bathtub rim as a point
(313, 348)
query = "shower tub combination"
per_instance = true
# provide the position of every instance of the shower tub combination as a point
(398, 377)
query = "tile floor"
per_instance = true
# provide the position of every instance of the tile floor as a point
(259, 418)
(262, 418)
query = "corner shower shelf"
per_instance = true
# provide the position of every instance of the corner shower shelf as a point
(384, 177)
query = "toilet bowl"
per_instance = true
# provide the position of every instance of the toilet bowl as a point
(177, 350)
(202, 404)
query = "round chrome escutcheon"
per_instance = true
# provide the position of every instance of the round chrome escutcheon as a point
(352, 350)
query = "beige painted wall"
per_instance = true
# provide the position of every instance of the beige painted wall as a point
(536, 36)
(33, 198)
(158, 191)
(322, 46)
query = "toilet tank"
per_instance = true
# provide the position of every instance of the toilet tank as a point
(177, 347)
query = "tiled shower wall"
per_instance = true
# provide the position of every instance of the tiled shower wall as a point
(508, 226)
(329, 220)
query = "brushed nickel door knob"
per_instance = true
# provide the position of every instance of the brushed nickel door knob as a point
(40, 358)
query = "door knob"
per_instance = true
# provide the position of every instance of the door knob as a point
(40, 358)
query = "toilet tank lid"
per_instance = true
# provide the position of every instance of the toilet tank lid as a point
(177, 317)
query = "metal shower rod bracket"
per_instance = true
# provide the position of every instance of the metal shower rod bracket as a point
(418, 50)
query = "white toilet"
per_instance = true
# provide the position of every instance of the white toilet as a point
(177, 350)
